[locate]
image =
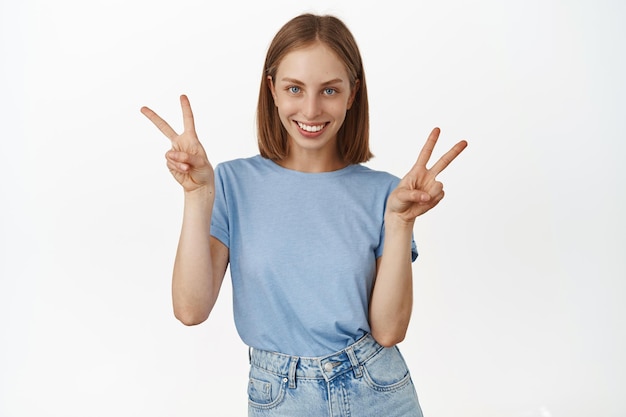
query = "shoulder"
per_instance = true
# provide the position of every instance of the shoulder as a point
(359, 168)
(242, 166)
(374, 177)
(240, 163)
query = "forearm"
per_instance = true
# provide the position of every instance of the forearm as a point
(392, 297)
(194, 288)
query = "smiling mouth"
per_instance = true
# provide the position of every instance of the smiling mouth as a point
(311, 128)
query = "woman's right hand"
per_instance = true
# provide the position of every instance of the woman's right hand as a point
(187, 160)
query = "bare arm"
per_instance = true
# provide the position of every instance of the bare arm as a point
(419, 191)
(392, 296)
(201, 260)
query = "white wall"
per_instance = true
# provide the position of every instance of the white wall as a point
(520, 284)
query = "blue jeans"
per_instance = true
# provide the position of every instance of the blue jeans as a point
(363, 380)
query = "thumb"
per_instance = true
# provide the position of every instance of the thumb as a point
(413, 196)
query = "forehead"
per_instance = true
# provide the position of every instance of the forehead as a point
(311, 64)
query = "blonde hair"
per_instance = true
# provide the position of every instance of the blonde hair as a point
(299, 32)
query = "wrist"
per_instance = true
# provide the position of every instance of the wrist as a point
(394, 221)
(203, 194)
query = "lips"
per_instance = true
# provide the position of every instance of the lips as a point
(311, 128)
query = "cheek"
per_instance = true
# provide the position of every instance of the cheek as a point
(285, 113)
(285, 107)
(339, 110)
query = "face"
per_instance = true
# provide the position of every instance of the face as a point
(312, 93)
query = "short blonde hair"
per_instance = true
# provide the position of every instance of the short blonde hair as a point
(300, 32)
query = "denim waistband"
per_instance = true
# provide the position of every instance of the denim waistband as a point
(324, 367)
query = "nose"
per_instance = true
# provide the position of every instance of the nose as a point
(312, 107)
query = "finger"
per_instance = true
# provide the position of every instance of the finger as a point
(177, 167)
(413, 196)
(188, 121)
(435, 189)
(436, 199)
(185, 158)
(449, 156)
(161, 124)
(428, 147)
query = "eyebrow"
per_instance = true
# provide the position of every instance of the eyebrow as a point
(295, 81)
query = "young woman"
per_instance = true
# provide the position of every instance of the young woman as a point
(320, 247)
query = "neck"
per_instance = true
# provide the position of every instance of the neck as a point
(312, 162)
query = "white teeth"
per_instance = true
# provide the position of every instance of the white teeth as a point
(311, 129)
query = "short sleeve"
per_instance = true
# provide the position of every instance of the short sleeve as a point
(219, 218)
(379, 249)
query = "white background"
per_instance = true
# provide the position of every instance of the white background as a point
(520, 285)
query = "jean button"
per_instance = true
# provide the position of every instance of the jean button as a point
(328, 366)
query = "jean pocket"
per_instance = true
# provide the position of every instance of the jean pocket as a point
(265, 389)
(386, 371)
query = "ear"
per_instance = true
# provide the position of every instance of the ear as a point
(353, 93)
(270, 85)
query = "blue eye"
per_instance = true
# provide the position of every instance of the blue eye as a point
(294, 89)
(329, 91)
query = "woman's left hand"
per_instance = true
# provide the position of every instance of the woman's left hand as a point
(419, 190)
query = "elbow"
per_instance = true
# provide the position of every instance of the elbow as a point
(389, 332)
(189, 321)
(388, 339)
(190, 318)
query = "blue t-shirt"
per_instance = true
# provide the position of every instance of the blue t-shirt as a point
(303, 249)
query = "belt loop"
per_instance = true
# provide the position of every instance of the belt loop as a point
(250, 354)
(358, 371)
(292, 371)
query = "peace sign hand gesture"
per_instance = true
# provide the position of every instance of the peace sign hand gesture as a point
(419, 190)
(187, 160)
